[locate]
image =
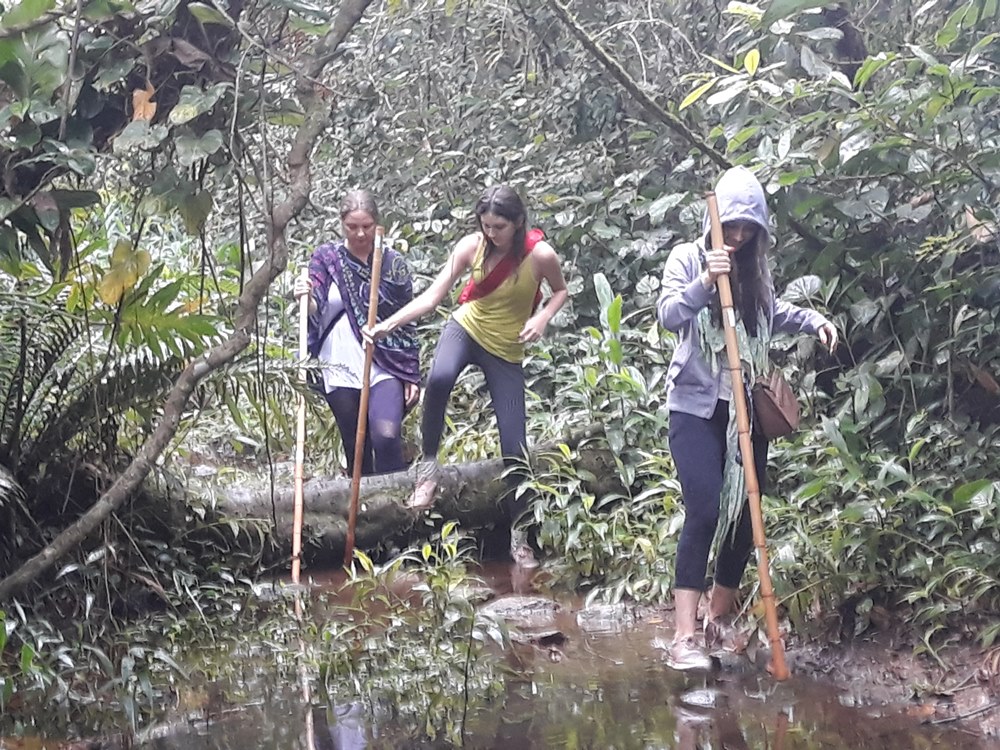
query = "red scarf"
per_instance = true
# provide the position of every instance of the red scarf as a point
(501, 271)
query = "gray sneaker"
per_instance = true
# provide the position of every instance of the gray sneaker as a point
(722, 636)
(685, 654)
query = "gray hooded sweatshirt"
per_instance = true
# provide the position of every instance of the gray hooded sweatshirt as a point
(691, 386)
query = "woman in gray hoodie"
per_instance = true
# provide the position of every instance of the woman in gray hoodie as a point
(702, 422)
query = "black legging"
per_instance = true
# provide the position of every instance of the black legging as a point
(383, 436)
(456, 349)
(698, 447)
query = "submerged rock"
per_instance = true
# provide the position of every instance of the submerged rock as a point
(529, 619)
(524, 611)
(703, 698)
(606, 618)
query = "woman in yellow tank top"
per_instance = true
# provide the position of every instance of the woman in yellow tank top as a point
(490, 330)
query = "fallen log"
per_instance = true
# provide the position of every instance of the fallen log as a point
(467, 493)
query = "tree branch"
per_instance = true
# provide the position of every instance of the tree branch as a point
(278, 220)
(629, 84)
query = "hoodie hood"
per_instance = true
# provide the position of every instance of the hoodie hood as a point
(741, 198)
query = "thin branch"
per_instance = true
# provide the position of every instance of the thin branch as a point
(70, 66)
(628, 83)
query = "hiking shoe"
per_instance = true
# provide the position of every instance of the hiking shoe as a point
(423, 495)
(685, 654)
(722, 636)
(520, 551)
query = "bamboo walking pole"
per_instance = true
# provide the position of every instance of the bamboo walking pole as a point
(300, 437)
(359, 438)
(778, 667)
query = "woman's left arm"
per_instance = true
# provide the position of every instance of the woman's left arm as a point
(789, 318)
(546, 263)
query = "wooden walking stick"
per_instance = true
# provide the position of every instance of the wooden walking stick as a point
(359, 437)
(778, 667)
(300, 436)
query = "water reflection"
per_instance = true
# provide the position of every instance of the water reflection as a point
(341, 727)
(609, 690)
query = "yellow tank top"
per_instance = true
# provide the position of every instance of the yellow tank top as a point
(495, 321)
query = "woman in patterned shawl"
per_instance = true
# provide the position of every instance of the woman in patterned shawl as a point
(338, 285)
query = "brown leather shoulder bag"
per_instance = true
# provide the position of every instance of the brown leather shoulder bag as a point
(775, 407)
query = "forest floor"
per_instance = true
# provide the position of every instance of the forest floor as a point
(959, 687)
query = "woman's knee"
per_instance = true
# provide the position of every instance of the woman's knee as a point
(701, 520)
(383, 431)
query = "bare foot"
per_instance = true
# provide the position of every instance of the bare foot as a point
(423, 495)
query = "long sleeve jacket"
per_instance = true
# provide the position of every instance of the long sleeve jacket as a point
(691, 386)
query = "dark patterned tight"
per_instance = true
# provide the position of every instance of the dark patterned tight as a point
(383, 451)
(698, 447)
(455, 351)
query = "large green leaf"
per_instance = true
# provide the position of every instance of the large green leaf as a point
(780, 9)
(209, 14)
(140, 134)
(191, 147)
(26, 11)
(194, 102)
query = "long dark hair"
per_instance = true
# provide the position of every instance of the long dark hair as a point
(750, 289)
(507, 204)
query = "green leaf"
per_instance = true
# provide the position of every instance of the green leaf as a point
(194, 102)
(68, 199)
(696, 93)
(191, 148)
(139, 134)
(967, 492)
(730, 92)
(27, 658)
(303, 8)
(603, 289)
(780, 9)
(194, 210)
(658, 208)
(752, 61)
(209, 14)
(26, 11)
(870, 67)
(724, 66)
(615, 315)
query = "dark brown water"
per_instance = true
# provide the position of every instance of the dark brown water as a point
(604, 689)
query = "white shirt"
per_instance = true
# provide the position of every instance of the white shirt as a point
(341, 353)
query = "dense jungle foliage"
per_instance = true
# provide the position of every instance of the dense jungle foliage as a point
(152, 161)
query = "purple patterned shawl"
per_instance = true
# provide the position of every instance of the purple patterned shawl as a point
(398, 353)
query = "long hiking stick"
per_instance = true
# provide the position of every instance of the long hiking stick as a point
(359, 437)
(300, 439)
(778, 667)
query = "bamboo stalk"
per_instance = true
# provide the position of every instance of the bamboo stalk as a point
(359, 438)
(300, 437)
(778, 668)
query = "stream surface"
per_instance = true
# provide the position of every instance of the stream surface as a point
(605, 686)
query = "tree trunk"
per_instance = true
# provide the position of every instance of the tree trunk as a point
(468, 493)
(277, 220)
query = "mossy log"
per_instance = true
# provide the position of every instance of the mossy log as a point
(468, 493)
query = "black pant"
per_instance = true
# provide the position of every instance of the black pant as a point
(383, 450)
(455, 351)
(698, 447)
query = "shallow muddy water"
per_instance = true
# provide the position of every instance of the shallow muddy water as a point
(602, 687)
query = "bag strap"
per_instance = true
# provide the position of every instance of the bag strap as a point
(500, 272)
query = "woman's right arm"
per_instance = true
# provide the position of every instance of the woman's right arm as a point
(459, 262)
(686, 288)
